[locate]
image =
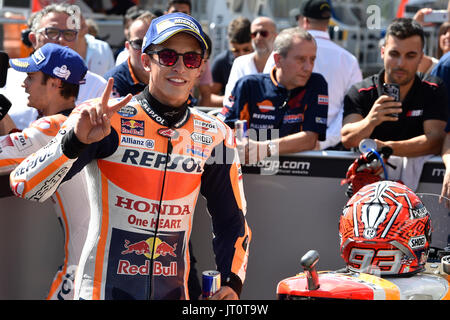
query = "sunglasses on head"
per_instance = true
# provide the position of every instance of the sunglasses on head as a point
(54, 33)
(263, 33)
(136, 44)
(169, 57)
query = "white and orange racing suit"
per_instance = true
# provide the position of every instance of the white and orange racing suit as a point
(143, 181)
(70, 200)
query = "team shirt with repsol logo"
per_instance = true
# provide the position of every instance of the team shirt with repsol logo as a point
(143, 181)
(266, 104)
(70, 200)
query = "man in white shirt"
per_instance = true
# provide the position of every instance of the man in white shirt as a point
(339, 67)
(263, 32)
(51, 24)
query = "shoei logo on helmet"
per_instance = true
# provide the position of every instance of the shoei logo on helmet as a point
(417, 242)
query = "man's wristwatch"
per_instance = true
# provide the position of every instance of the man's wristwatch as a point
(272, 149)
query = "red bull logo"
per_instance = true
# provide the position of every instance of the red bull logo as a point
(134, 127)
(139, 248)
(165, 249)
(126, 268)
(144, 247)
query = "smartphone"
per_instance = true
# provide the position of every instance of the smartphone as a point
(437, 16)
(392, 90)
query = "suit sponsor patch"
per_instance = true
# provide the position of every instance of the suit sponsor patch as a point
(322, 99)
(201, 138)
(134, 127)
(137, 142)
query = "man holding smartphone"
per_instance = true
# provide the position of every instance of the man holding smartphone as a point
(412, 124)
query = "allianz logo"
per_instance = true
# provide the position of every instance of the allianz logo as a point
(139, 142)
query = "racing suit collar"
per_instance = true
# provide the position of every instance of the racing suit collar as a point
(161, 113)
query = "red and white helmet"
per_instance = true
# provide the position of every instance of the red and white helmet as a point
(385, 230)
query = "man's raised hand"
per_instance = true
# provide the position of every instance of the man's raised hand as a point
(94, 123)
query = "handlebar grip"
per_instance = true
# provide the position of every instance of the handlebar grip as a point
(308, 262)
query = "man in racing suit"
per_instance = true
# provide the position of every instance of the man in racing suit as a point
(147, 159)
(54, 74)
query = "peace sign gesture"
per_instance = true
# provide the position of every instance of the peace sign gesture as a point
(94, 123)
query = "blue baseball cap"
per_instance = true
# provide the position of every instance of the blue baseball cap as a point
(167, 25)
(54, 60)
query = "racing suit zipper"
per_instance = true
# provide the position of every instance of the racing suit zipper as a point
(151, 282)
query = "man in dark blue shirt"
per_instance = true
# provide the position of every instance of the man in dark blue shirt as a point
(291, 102)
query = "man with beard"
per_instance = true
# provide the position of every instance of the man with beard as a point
(412, 126)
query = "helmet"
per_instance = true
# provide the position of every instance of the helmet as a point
(385, 230)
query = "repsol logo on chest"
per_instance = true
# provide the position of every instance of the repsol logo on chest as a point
(158, 161)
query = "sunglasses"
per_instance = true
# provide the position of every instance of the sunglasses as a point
(136, 44)
(169, 57)
(54, 33)
(263, 33)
